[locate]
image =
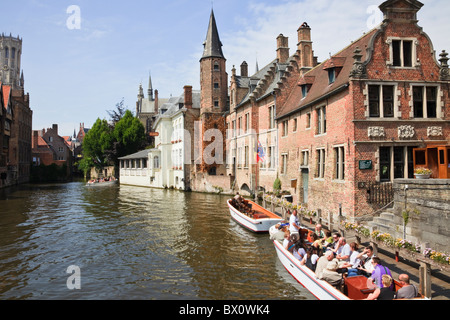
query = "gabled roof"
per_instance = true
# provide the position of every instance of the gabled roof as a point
(318, 77)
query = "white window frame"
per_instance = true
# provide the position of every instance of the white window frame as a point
(415, 43)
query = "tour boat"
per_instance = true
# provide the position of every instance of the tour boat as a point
(258, 220)
(95, 183)
(355, 288)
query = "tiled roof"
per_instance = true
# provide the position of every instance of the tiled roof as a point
(318, 77)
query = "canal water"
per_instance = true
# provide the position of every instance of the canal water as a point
(132, 243)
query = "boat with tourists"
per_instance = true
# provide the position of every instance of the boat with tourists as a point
(102, 182)
(350, 288)
(252, 216)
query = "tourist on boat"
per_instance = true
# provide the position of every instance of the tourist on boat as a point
(310, 259)
(331, 275)
(319, 232)
(299, 250)
(408, 291)
(335, 245)
(353, 262)
(238, 198)
(328, 242)
(287, 238)
(294, 225)
(279, 233)
(344, 251)
(378, 271)
(293, 239)
(366, 256)
(323, 262)
(384, 293)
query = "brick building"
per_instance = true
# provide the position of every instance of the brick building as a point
(15, 115)
(360, 115)
(49, 148)
(251, 121)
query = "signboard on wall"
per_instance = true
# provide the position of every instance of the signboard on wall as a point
(365, 164)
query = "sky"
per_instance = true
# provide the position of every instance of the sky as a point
(81, 58)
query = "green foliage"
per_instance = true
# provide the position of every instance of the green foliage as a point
(277, 185)
(50, 173)
(97, 141)
(129, 133)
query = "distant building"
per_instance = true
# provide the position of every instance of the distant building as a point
(49, 148)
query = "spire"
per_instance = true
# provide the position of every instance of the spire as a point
(150, 87)
(212, 44)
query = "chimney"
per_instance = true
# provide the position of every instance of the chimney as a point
(282, 48)
(305, 46)
(55, 129)
(244, 69)
(35, 139)
(188, 97)
(156, 101)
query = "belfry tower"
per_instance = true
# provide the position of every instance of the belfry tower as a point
(10, 61)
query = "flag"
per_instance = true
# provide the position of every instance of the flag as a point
(260, 154)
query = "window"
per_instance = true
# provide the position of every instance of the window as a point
(284, 160)
(216, 85)
(304, 90)
(239, 125)
(305, 159)
(247, 122)
(285, 128)
(331, 75)
(308, 121)
(271, 156)
(339, 157)
(156, 162)
(294, 129)
(425, 102)
(271, 117)
(402, 53)
(320, 163)
(397, 162)
(381, 101)
(246, 155)
(216, 103)
(216, 66)
(321, 120)
(233, 127)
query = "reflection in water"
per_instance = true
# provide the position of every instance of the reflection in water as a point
(132, 243)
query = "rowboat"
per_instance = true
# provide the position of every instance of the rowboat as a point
(354, 288)
(257, 219)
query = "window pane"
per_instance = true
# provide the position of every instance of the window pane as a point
(374, 101)
(399, 165)
(396, 53)
(388, 101)
(407, 53)
(385, 163)
(418, 102)
(431, 102)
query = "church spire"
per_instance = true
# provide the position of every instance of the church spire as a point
(212, 44)
(150, 87)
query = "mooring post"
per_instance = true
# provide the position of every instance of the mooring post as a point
(425, 278)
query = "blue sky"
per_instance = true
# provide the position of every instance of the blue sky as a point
(74, 75)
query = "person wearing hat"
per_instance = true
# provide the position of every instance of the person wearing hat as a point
(330, 274)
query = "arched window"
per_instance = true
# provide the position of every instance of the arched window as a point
(7, 53)
(216, 66)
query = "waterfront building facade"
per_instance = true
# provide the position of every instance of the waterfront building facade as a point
(361, 115)
(15, 115)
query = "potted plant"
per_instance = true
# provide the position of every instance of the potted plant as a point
(422, 173)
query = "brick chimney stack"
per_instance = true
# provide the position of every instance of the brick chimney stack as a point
(282, 48)
(305, 48)
(244, 69)
(188, 97)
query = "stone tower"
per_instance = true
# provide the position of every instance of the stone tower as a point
(10, 61)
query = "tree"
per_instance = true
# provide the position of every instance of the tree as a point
(129, 135)
(96, 142)
(117, 115)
